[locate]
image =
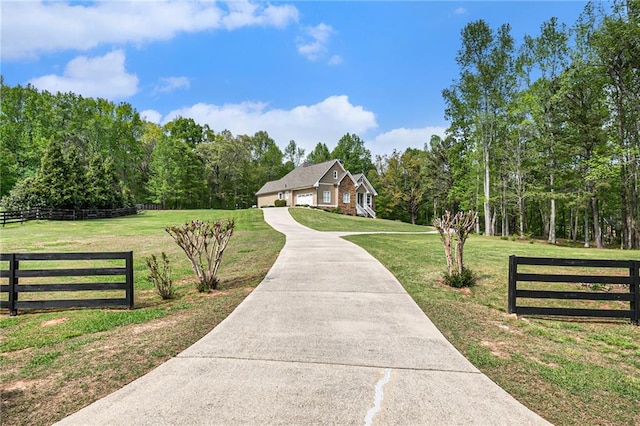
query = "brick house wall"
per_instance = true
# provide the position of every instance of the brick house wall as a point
(347, 186)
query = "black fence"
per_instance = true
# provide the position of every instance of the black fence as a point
(631, 280)
(150, 207)
(42, 213)
(14, 277)
(18, 216)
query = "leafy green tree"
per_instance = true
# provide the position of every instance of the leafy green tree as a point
(616, 42)
(355, 157)
(403, 181)
(266, 160)
(477, 102)
(320, 154)
(294, 154)
(548, 54)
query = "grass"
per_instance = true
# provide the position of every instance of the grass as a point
(570, 371)
(54, 362)
(321, 220)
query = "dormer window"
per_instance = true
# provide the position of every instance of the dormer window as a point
(335, 174)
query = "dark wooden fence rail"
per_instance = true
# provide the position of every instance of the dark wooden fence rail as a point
(14, 274)
(42, 213)
(632, 280)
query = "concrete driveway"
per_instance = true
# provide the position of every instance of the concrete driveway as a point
(329, 337)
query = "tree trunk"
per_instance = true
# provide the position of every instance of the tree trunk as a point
(587, 239)
(552, 214)
(597, 231)
(487, 191)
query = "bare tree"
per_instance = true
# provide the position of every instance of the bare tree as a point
(457, 226)
(204, 244)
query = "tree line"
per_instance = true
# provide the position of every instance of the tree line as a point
(66, 151)
(544, 140)
(544, 137)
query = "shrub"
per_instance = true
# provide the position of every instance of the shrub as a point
(280, 203)
(204, 244)
(459, 280)
(160, 275)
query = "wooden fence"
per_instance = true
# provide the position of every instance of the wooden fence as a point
(17, 216)
(17, 272)
(41, 213)
(632, 280)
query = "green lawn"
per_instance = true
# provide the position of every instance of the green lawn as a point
(54, 362)
(321, 220)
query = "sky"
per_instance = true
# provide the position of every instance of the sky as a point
(308, 71)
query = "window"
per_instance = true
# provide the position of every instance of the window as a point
(335, 174)
(369, 199)
(279, 195)
(346, 198)
(326, 197)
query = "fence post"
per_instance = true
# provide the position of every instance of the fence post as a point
(13, 284)
(513, 265)
(129, 266)
(634, 289)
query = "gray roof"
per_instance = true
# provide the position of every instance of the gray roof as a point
(304, 176)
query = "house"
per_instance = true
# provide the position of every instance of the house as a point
(326, 185)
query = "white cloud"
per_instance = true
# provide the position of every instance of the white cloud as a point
(335, 60)
(102, 76)
(169, 84)
(314, 44)
(244, 14)
(326, 121)
(460, 11)
(151, 115)
(403, 138)
(30, 28)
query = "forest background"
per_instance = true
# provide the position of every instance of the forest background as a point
(544, 140)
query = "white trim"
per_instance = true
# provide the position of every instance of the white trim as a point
(324, 196)
(346, 198)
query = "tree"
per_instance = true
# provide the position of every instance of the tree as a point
(438, 173)
(355, 157)
(616, 42)
(477, 102)
(204, 244)
(320, 154)
(403, 182)
(456, 227)
(548, 54)
(293, 153)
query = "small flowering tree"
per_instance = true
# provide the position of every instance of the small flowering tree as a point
(456, 227)
(204, 244)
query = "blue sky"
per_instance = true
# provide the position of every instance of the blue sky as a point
(310, 71)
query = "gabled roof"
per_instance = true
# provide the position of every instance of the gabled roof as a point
(304, 176)
(362, 179)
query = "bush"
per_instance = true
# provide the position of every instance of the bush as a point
(280, 203)
(459, 280)
(204, 244)
(160, 275)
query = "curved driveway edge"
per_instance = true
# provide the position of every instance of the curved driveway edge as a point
(329, 337)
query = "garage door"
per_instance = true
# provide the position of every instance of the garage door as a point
(302, 199)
